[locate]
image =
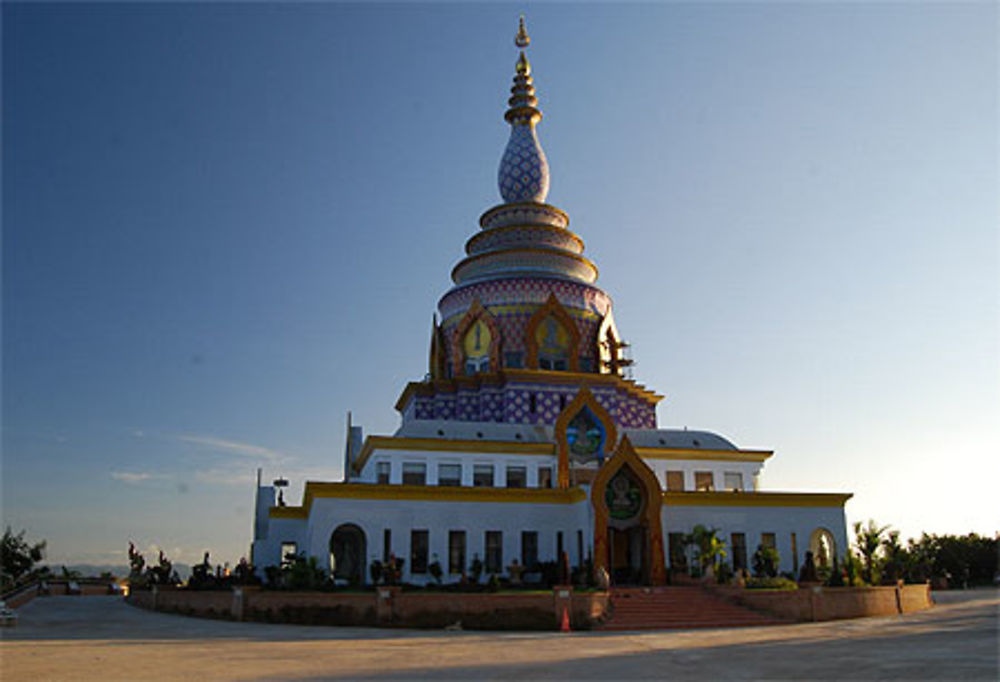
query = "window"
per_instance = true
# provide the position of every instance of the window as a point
(675, 481)
(552, 364)
(477, 366)
(544, 477)
(386, 544)
(517, 477)
(289, 550)
(795, 554)
(382, 471)
(477, 348)
(579, 547)
(494, 551)
(559, 546)
(678, 560)
(529, 549)
(739, 543)
(414, 473)
(586, 364)
(532, 403)
(418, 551)
(514, 360)
(704, 481)
(768, 540)
(456, 551)
(482, 475)
(449, 474)
(734, 481)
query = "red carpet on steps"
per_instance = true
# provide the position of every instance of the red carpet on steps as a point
(660, 608)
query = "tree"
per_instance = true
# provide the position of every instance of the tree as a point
(710, 547)
(765, 562)
(895, 557)
(868, 539)
(17, 556)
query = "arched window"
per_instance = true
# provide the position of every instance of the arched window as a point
(476, 345)
(585, 436)
(553, 345)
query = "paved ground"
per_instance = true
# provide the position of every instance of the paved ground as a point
(102, 638)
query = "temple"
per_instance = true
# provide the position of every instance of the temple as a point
(528, 438)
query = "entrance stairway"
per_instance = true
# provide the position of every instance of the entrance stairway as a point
(662, 608)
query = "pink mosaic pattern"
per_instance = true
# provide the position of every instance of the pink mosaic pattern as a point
(524, 290)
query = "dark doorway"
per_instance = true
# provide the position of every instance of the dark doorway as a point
(627, 547)
(347, 554)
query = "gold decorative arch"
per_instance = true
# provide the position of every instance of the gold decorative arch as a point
(475, 312)
(552, 308)
(584, 398)
(437, 361)
(626, 456)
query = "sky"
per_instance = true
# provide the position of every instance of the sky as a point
(227, 225)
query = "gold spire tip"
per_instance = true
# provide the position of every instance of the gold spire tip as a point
(522, 39)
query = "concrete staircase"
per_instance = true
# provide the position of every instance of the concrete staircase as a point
(661, 608)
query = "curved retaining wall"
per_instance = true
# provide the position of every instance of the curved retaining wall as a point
(386, 606)
(833, 603)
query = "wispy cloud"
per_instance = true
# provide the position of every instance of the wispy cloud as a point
(134, 476)
(229, 476)
(232, 447)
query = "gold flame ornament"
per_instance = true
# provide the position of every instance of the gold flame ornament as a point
(522, 39)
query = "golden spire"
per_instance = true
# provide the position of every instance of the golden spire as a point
(522, 39)
(523, 104)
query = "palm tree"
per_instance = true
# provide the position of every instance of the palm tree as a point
(710, 547)
(868, 539)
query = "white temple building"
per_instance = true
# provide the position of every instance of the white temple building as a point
(526, 439)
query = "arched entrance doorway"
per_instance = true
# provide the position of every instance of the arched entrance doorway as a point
(628, 535)
(347, 554)
(823, 548)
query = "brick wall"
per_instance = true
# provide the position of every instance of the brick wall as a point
(386, 606)
(834, 603)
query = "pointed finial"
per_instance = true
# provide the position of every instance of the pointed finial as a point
(522, 40)
(524, 170)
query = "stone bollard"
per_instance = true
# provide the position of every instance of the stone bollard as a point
(562, 599)
(385, 604)
(236, 610)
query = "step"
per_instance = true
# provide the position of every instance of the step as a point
(656, 608)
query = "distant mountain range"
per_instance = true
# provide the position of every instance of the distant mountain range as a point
(117, 570)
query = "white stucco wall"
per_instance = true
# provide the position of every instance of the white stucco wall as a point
(402, 516)
(718, 468)
(467, 460)
(753, 521)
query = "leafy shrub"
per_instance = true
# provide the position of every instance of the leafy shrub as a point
(771, 584)
(765, 562)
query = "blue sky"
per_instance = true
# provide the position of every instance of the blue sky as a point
(224, 226)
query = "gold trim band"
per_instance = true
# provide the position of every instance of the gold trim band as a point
(748, 499)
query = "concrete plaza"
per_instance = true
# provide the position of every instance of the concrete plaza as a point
(102, 638)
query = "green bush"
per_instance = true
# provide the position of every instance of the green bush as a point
(771, 584)
(765, 562)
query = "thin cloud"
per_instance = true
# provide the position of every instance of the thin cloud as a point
(235, 448)
(232, 476)
(133, 476)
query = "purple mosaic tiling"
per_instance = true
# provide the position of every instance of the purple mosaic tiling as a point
(513, 403)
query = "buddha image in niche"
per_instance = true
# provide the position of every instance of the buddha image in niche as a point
(586, 437)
